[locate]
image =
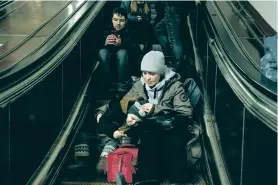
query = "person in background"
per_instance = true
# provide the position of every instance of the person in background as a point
(168, 29)
(269, 60)
(139, 17)
(114, 54)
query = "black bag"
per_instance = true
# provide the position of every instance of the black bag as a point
(165, 122)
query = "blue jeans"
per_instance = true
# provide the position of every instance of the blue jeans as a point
(168, 33)
(106, 58)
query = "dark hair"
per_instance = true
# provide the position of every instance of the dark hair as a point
(120, 11)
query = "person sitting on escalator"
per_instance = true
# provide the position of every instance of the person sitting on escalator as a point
(112, 127)
(116, 46)
(162, 128)
(139, 17)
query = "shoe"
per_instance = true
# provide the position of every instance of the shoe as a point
(120, 179)
(99, 166)
(81, 157)
(141, 46)
(147, 182)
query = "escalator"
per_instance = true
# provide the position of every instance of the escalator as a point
(46, 65)
(240, 103)
(48, 76)
(228, 48)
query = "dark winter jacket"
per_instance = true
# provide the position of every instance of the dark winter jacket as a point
(124, 35)
(133, 16)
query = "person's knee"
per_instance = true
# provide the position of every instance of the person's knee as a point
(122, 55)
(157, 29)
(103, 54)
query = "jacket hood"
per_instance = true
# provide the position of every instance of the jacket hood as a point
(170, 77)
(154, 94)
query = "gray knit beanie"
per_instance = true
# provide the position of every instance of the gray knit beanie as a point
(154, 61)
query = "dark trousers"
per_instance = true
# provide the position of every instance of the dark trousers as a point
(112, 119)
(168, 33)
(142, 32)
(162, 155)
(121, 58)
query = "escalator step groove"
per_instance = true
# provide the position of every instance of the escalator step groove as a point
(199, 180)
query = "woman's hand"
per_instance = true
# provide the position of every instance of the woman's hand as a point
(147, 107)
(131, 119)
(139, 18)
(98, 117)
(118, 134)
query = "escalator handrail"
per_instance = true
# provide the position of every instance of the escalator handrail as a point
(41, 174)
(4, 4)
(267, 84)
(239, 43)
(2, 56)
(210, 124)
(257, 106)
(54, 37)
(58, 36)
(256, 102)
(20, 88)
(260, 23)
(246, 22)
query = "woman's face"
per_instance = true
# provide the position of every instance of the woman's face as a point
(151, 79)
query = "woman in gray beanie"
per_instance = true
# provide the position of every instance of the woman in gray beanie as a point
(162, 151)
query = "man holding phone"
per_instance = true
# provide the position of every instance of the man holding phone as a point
(114, 55)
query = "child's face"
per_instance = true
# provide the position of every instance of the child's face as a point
(118, 21)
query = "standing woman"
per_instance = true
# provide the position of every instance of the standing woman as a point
(168, 29)
(139, 17)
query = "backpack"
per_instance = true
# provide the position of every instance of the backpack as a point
(121, 163)
(194, 92)
(194, 149)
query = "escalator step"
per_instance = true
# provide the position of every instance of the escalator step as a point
(93, 183)
(199, 180)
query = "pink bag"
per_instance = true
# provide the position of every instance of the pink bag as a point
(121, 161)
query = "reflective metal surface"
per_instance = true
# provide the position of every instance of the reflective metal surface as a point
(254, 49)
(238, 56)
(247, 134)
(13, 58)
(35, 112)
(57, 26)
(30, 16)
